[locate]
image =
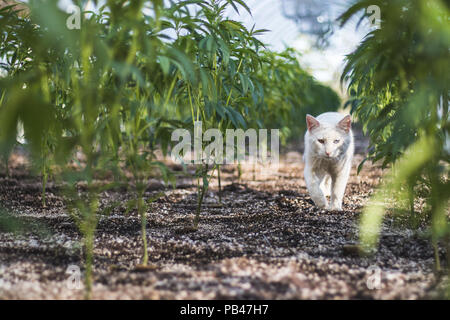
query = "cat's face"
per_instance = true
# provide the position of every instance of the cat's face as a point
(328, 140)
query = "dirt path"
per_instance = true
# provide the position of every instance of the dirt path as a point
(267, 241)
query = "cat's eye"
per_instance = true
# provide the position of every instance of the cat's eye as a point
(321, 141)
(336, 141)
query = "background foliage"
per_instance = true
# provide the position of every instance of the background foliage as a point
(399, 82)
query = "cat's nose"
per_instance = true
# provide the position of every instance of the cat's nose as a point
(327, 153)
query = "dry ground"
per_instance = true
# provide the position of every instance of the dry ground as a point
(267, 241)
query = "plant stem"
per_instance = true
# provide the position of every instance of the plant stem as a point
(44, 149)
(220, 186)
(436, 256)
(7, 166)
(88, 230)
(413, 220)
(199, 206)
(201, 195)
(89, 256)
(447, 240)
(141, 213)
(44, 184)
(239, 171)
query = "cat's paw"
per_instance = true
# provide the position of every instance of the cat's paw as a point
(335, 208)
(323, 206)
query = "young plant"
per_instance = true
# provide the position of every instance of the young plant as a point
(224, 53)
(399, 86)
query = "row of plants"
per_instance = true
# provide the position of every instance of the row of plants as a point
(101, 100)
(399, 86)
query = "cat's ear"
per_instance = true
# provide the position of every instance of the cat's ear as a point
(345, 124)
(311, 122)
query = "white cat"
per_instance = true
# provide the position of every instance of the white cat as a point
(328, 157)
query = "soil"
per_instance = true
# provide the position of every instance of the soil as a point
(265, 241)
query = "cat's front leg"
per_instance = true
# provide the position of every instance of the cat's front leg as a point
(338, 184)
(313, 184)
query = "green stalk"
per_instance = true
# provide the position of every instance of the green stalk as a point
(169, 94)
(199, 206)
(437, 260)
(231, 90)
(435, 209)
(448, 263)
(190, 103)
(220, 187)
(44, 169)
(201, 195)
(413, 220)
(89, 256)
(89, 224)
(239, 171)
(44, 184)
(141, 213)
